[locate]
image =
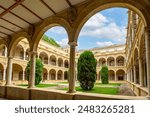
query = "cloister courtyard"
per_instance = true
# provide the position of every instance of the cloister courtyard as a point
(25, 27)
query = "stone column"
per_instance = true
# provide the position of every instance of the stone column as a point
(131, 75)
(134, 68)
(115, 76)
(63, 76)
(5, 51)
(9, 71)
(23, 75)
(24, 55)
(56, 77)
(4, 74)
(47, 75)
(72, 67)
(147, 43)
(32, 70)
(141, 73)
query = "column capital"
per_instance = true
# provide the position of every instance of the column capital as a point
(72, 44)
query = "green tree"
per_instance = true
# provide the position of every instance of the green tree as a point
(104, 75)
(86, 69)
(38, 71)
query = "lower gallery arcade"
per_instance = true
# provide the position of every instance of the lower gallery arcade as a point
(129, 63)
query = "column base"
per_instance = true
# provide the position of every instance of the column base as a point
(71, 91)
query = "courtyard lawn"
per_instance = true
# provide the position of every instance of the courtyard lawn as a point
(98, 90)
(110, 84)
(40, 85)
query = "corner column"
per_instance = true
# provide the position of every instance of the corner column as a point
(72, 78)
(9, 71)
(4, 74)
(141, 73)
(147, 43)
(32, 70)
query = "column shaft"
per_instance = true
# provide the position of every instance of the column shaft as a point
(147, 43)
(72, 69)
(141, 73)
(9, 71)
(134, 68)
(4, 74)
(32, 70)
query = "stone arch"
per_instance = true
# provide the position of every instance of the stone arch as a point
(60, 62)
(120, 74)
(102, 61)
(44, 57)
(66, 75)
(111, 75)
(59, 75)
(111, 61)
(15, 40)
(53, 60)
(96, 6)
(52, 74)
(47, 24)
(19, 52)
(17, 72)
(1, 71)
(120, 61)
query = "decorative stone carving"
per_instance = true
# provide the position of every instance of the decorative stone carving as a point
(71, 14)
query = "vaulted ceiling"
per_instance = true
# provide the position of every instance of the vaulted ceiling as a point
(17, 15)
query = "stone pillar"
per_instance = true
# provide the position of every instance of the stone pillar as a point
(63, 76)
(72, 68)
(9, 71)
(147, 43)
(4, 74)
(141, 73)
(131, 75)
(115, 76)
(56, 77)
(134, 68)
(5, 51)
(23, 75)
(24, 55)
(32, 70)
(47, 75)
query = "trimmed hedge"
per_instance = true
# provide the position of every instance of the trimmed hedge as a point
(86, 69)
(38, 71)
(104, 75)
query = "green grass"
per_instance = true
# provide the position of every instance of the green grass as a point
(98, 90)
(110, 84)
(40, 85)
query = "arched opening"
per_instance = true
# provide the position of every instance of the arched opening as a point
(102, 61)
(60, 62)
(17, 72)
(136, 66)
(53, 60)
(111, 75)
(52, 73)
(66, 75)
(120, 75)
(111, 61)
(120, 61)
(45, 73)
(44, 57)
(19, 53)
(3, 50)
(59, 75)
(1, 71)
(66, 64)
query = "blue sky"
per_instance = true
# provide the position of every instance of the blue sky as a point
(105, 28)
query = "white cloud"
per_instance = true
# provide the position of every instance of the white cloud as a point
(57, 30)
(100, 26)
(105, 43)
(63, 42)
